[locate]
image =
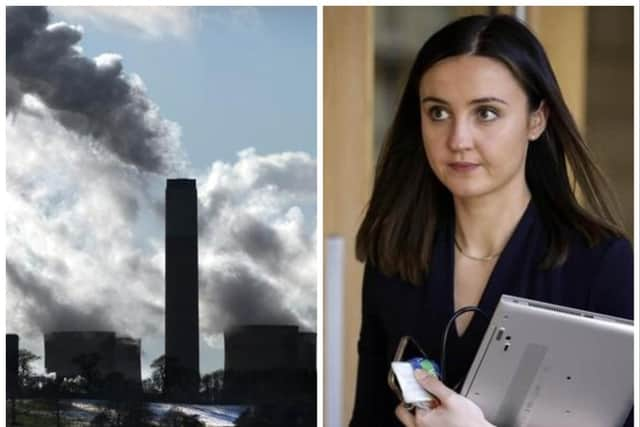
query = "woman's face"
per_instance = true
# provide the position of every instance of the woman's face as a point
(476, 125)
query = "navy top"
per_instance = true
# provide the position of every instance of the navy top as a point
(598, 279)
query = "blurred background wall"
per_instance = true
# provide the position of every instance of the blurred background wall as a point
(367, 55)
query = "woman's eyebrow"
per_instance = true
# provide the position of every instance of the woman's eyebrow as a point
(433, 99)
(473, 101)
(488, 99)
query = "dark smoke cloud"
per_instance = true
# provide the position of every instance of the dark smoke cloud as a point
(22, 23)
(45, 311)
(238, 297)
(260, 241)
(91, 97)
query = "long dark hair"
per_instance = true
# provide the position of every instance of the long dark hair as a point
(409, 202)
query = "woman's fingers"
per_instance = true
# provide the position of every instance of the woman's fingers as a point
(433, 385)
(405, 417)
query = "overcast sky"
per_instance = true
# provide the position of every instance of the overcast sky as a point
(104, 104)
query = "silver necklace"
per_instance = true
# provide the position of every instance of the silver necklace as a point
(476, 258)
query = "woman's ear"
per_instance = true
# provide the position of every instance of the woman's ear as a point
(538, 121)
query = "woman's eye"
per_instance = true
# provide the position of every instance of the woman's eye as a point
(487, 114)
(438, 113)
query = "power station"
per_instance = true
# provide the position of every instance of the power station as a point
(264, 364)
(181, 289)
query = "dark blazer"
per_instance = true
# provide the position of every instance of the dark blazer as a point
(598, 279)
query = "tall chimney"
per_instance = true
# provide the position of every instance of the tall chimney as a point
(181, 293)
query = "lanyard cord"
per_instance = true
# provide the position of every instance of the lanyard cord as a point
(446, 335)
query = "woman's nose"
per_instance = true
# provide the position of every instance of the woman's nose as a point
(460, 136)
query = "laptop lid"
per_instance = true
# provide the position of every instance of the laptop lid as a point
(542, 365)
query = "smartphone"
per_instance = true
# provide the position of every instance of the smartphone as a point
(409, 357)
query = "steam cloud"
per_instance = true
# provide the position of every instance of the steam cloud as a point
(258, 266)
(90, 96)
(49, 314)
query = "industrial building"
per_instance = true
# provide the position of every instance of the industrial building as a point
(12, 364)
(266, 363)
(181, 290)
(66, 352)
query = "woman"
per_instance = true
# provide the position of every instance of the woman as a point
(474, 198)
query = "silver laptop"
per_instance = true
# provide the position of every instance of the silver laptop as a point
(542, 365)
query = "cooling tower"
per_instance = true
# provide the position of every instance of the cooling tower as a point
(62, 350)
(268, 363)
(72, 353)
(261, 348)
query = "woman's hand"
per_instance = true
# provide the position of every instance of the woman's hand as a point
(453, 410)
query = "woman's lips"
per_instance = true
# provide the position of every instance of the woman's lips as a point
(463, 166)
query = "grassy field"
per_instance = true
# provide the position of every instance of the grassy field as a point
(38, 413)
